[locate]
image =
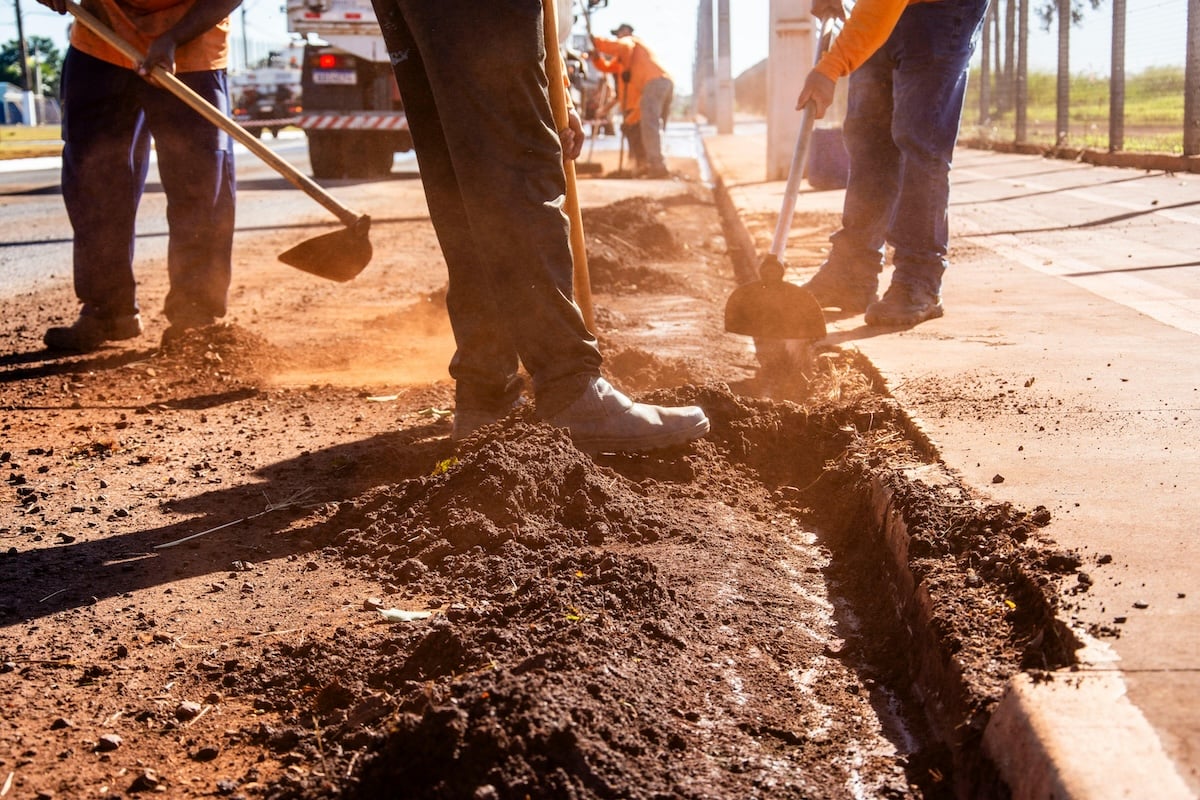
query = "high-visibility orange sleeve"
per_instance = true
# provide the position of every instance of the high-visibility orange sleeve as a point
(867, 28)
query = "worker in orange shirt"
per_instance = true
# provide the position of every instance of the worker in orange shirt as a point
(631, 113)
(650, 89)
(907, 61)
(112, 108)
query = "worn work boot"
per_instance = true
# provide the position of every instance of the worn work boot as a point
(90, 331)
(469, 420)
(834, 289)
(603, 420)
(903, 306)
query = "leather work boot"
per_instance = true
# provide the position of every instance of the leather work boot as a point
(603, 420)
(903, 306)
(469, 420)
(834, 290)
(90, 331)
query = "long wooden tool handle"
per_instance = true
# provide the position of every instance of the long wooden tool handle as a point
(558, 103)
(172, 84)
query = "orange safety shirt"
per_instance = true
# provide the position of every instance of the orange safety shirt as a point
(629, 54)
(867, 28)
(140, 22)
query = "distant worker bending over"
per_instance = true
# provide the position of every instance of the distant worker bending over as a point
(907, 61)
(647, 87)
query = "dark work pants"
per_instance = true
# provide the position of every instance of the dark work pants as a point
(473, 83)
(905, 104)
(110, 114)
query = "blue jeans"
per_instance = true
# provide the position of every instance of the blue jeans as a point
(474, 88)
(110, 114)
(905, 105)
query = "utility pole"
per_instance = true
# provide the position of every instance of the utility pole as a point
(724, 70)
(705, 72)
(1116, 92)
(985, 74)
(30, 101)
(245, 42)
(1063, 117)
(1191, 83)
(1022, 83)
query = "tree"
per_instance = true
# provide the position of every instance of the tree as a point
(1048, 11)
(43, 55)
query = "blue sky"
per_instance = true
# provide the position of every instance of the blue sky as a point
(1156, 32)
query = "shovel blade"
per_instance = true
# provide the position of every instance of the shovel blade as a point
(774, 309)
(338, 256)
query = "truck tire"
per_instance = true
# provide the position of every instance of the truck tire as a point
(325, 154)
(368, 155)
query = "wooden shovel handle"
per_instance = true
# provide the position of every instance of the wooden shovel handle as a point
(172, 84)
(558, 104)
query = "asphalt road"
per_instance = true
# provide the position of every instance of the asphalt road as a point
(35, 247)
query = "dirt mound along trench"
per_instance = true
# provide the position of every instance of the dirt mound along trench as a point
(698, 623)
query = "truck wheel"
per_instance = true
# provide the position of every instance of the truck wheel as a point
(368, 156)
(325, 154)
(380, 155)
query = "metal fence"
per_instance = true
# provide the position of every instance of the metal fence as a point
(1122, 76)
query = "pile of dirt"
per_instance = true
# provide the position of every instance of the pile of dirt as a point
(719, 620)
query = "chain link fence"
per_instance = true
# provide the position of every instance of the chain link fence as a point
(1122, 77)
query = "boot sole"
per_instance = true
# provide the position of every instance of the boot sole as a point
(642, 444)
(885, 321)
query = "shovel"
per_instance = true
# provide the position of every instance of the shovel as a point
(338, 256)
(582, 283)
(772, 308)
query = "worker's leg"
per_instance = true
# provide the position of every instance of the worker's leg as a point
(933, 43)
(491, 163)
(195, 163)
(655, 95)
(105, 156)
(849, 278)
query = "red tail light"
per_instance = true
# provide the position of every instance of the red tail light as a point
(331, 61)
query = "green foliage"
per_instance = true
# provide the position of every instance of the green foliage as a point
(1047, 12)
(43, 55)
(1153, 109)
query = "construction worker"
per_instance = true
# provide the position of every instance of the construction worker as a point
(649, 90)
(631, 113)
(112, 108)
(907, 61)
(491, 163)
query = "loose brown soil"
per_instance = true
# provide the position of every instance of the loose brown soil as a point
(198, 542)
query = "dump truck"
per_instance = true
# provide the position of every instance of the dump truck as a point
(353, 116)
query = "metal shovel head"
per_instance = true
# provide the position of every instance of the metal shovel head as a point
(772, 308)
(338, 256)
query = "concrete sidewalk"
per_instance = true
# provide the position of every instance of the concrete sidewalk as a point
(1092, 409)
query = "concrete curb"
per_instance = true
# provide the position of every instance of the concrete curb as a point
(1074, 735)
(1167, 162)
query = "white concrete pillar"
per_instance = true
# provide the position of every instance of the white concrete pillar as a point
(789, 59)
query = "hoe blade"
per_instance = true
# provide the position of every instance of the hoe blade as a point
(772, 308)
(338, 256)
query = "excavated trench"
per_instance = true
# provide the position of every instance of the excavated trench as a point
(804, 604)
